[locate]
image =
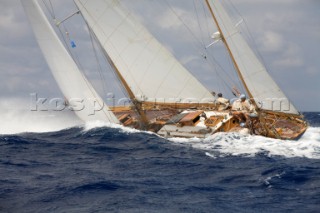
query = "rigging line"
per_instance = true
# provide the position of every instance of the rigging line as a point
(123, 90)
(49, 8)
(128, 16)
(198, 40)
(187, 27)
(51, 11)
(255, 46)
(225, 81)
(208, 53)
(77, 61)
(198, 20)
(92, 90)
(136, 104)
(98, 63)
(165, 78)
(215, 19)
(200, 48)
(251, 37)
(105, 57)
(65, 42)
(76, 58)
(54, 16)
(59, 29)
(233, 79)
(214, 62)
(216, 73)
(207, 17)
(106, 112)
(239, 83)
(73, 54)
(205, 12)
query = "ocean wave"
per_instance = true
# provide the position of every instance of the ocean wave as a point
(232, 144)
(100, 124)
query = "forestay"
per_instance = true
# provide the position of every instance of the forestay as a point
(261, 86)
(150, 70)
(87, 104)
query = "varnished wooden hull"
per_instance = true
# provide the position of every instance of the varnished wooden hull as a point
(201, 124)
(280, 125)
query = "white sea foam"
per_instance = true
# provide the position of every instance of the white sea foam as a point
(246, 145)
(98, 124)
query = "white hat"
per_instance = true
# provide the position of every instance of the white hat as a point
(243, 96)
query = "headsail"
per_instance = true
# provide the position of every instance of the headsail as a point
(259, 83)
(151, 71)
(71, 81)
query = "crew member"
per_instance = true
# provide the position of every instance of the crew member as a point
(242, 109)
(222, 103)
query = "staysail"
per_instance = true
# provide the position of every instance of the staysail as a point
(259, 83)
(85, 101)
(151, 71)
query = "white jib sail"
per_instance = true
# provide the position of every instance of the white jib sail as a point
(262, 87)
(82, 97)
(150, 70)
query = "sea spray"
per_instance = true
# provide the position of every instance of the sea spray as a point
(16, 117)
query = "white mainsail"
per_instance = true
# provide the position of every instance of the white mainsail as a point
(87, 104)
(258, 81)
(151, 71)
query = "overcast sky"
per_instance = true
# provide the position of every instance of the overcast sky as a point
(286, 33)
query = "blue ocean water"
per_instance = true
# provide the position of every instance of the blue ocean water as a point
(107, 169)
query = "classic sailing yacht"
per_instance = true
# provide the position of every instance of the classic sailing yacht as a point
(166, 98)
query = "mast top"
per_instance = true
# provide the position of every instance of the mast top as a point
(222, 36)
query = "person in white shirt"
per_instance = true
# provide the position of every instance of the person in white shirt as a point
(222, 103)
(242, 108)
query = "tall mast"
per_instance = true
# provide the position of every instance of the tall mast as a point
(137, 104)
(230, 53)
(237, 67)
